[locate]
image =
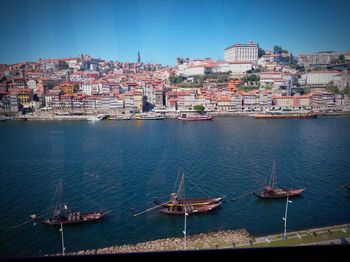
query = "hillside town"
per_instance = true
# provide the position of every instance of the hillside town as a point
(249, 79)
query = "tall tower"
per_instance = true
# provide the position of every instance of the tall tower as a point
(138, 57)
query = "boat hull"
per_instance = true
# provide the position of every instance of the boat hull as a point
(194, 118)
(279, 193)
(195, 202)
(149, 118)
(81, 218)
(284, 116)
(190, 209)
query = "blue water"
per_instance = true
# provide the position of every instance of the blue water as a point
(121, 165)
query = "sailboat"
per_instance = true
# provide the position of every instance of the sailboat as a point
(271, 191)
(179, 205)
(62, 215)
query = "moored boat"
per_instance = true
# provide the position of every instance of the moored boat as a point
(75, 217)
(194, 117)
(189, 209)
(179, 205)
(271, 191)
(284, 115)
(120, 117)
(93, 118)
(62, 215)
(149, 117)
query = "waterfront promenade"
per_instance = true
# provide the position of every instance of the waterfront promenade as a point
(51, 116)
(338, 234)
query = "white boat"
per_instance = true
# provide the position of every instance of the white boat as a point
(3, 118)
(93, 118)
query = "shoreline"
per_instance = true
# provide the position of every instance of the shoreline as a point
(224, 239)
(53, 117)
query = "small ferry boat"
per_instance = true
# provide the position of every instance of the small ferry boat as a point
(271, 191)
(194, 117)
(62, 215)
(279, 115)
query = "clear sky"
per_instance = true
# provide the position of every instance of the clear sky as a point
(163, 30)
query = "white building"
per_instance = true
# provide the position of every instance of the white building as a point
(32, 84)
(74, 63)
(272, 78)
(202, 67)
(320, 78)
(242, 52)
(86, 88)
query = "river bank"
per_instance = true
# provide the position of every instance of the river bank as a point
(230, 239)
(53, 117)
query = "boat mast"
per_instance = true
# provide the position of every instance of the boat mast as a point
(273, 175)
(62, 207)
(61, 195)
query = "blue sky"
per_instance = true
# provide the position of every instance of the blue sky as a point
(164, 30)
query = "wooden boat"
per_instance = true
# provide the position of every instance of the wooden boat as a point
(179, 205)
(62, 215)
(75, 217)
(193, 117)
(284, 115)
(271, 191)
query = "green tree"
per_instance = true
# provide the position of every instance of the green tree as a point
(341, 58)
(277, 49)
(332, 88)
(261, 52)
(222, 78)
(347, 91)
(199, 108)
(307, 90)
(173, 79)
(75, 88)
(200, 79)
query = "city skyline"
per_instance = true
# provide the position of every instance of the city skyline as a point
(162, 31)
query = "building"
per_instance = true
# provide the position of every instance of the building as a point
(32, 84)
(291, 101)
(323, 58)
(320, 78)
(67, 88)
(138, 100)
(25, 96)
(10, 103)
(322, 99)
(275, 79)
(158, 95)
(318, 58)
(242, 52)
